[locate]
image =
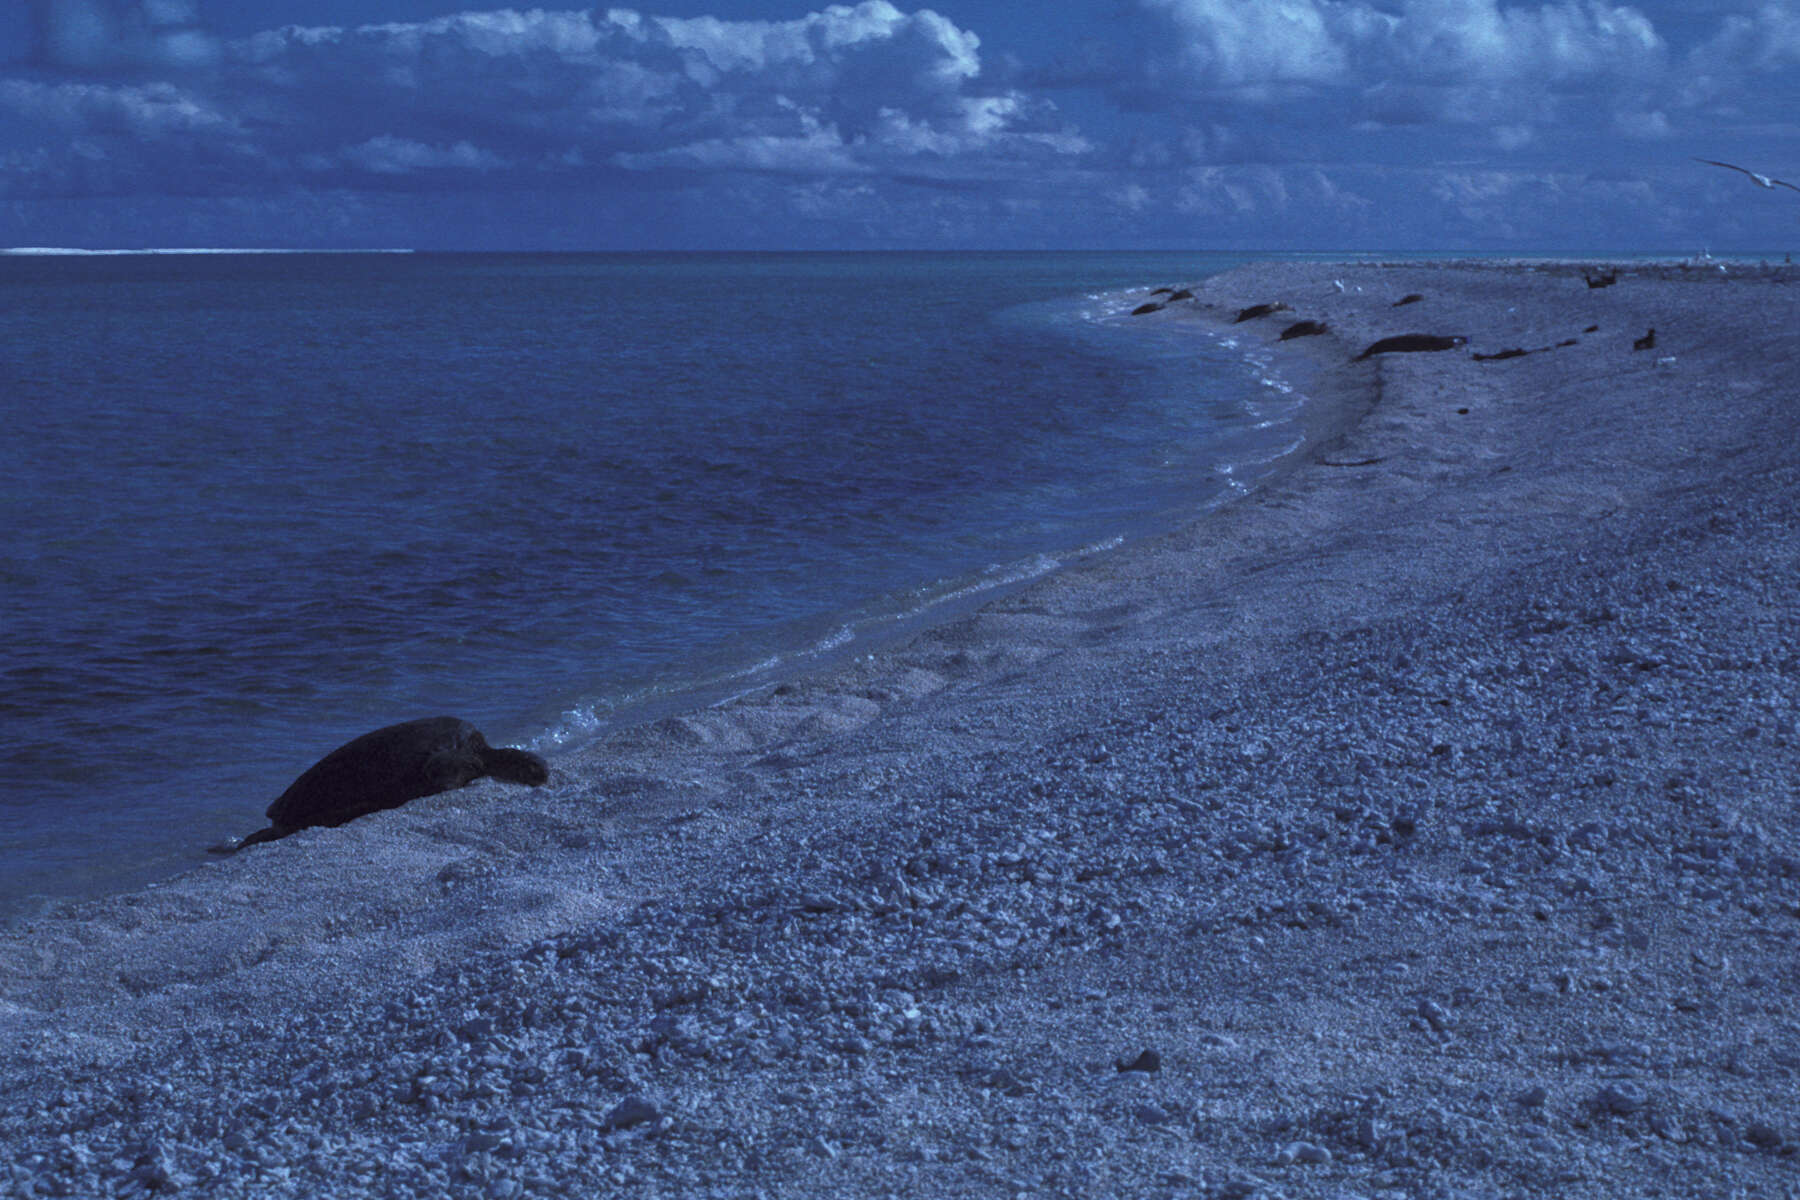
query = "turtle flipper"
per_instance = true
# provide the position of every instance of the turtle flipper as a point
(233, 845)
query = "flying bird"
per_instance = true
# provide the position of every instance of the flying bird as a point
(1760, 179)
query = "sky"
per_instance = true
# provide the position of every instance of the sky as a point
(1403, 125)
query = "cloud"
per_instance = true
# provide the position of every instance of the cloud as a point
(525, 99)
(843, 89)
(1458, 60)
(152, 111)
(1340, 120)
(1260, 50)
(106, 35)
(397, 156)
(1768, 40)
(811, 148)
(1745, 50)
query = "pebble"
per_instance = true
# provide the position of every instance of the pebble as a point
(1302, 1152)
(1623, 1099)
(1666, 1127)
(1149, 1060)
(629, 1113)
(1758, 1133)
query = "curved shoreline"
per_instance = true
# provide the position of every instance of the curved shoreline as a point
(1408, 811)
(100, 823)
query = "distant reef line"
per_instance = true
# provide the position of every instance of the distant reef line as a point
(75, 251)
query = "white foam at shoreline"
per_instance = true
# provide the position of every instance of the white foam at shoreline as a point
(581, 724)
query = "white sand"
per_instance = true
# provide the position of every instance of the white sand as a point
(1431, 818)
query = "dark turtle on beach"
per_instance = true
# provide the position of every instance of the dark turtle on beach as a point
(1259, 310)
(1405, 342)
(388, 767)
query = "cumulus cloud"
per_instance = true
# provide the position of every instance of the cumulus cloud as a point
(1760, 44)
(839, 90)
(1455, 59)
(1767, 40)
(1259, 49)
(811, 148)
(531, 98)
(153, 111)
(1224, 113)
(105, 35)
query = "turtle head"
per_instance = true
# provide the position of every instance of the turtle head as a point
(515, 766)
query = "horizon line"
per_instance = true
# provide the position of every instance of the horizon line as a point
(51, 251)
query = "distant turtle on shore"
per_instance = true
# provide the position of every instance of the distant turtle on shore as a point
(1259, 310)
(388, 767)
(1406, 342)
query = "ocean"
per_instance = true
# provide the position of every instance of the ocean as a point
(258, 504)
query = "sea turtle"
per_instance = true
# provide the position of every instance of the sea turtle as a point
(388, 767)
(1259, 310)
(1404, 342)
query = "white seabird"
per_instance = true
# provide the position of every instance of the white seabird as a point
(1760, 179)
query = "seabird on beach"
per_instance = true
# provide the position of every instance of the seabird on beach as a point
(1761, 180)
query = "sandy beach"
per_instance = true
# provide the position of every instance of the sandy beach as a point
(1422, 824)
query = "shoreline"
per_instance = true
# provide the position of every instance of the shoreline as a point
(282, 691)
(880, 623)
(1407, 810)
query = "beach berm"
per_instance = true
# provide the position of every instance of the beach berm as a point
(1419, 824)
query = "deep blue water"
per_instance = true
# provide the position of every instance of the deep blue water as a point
(255, 505)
